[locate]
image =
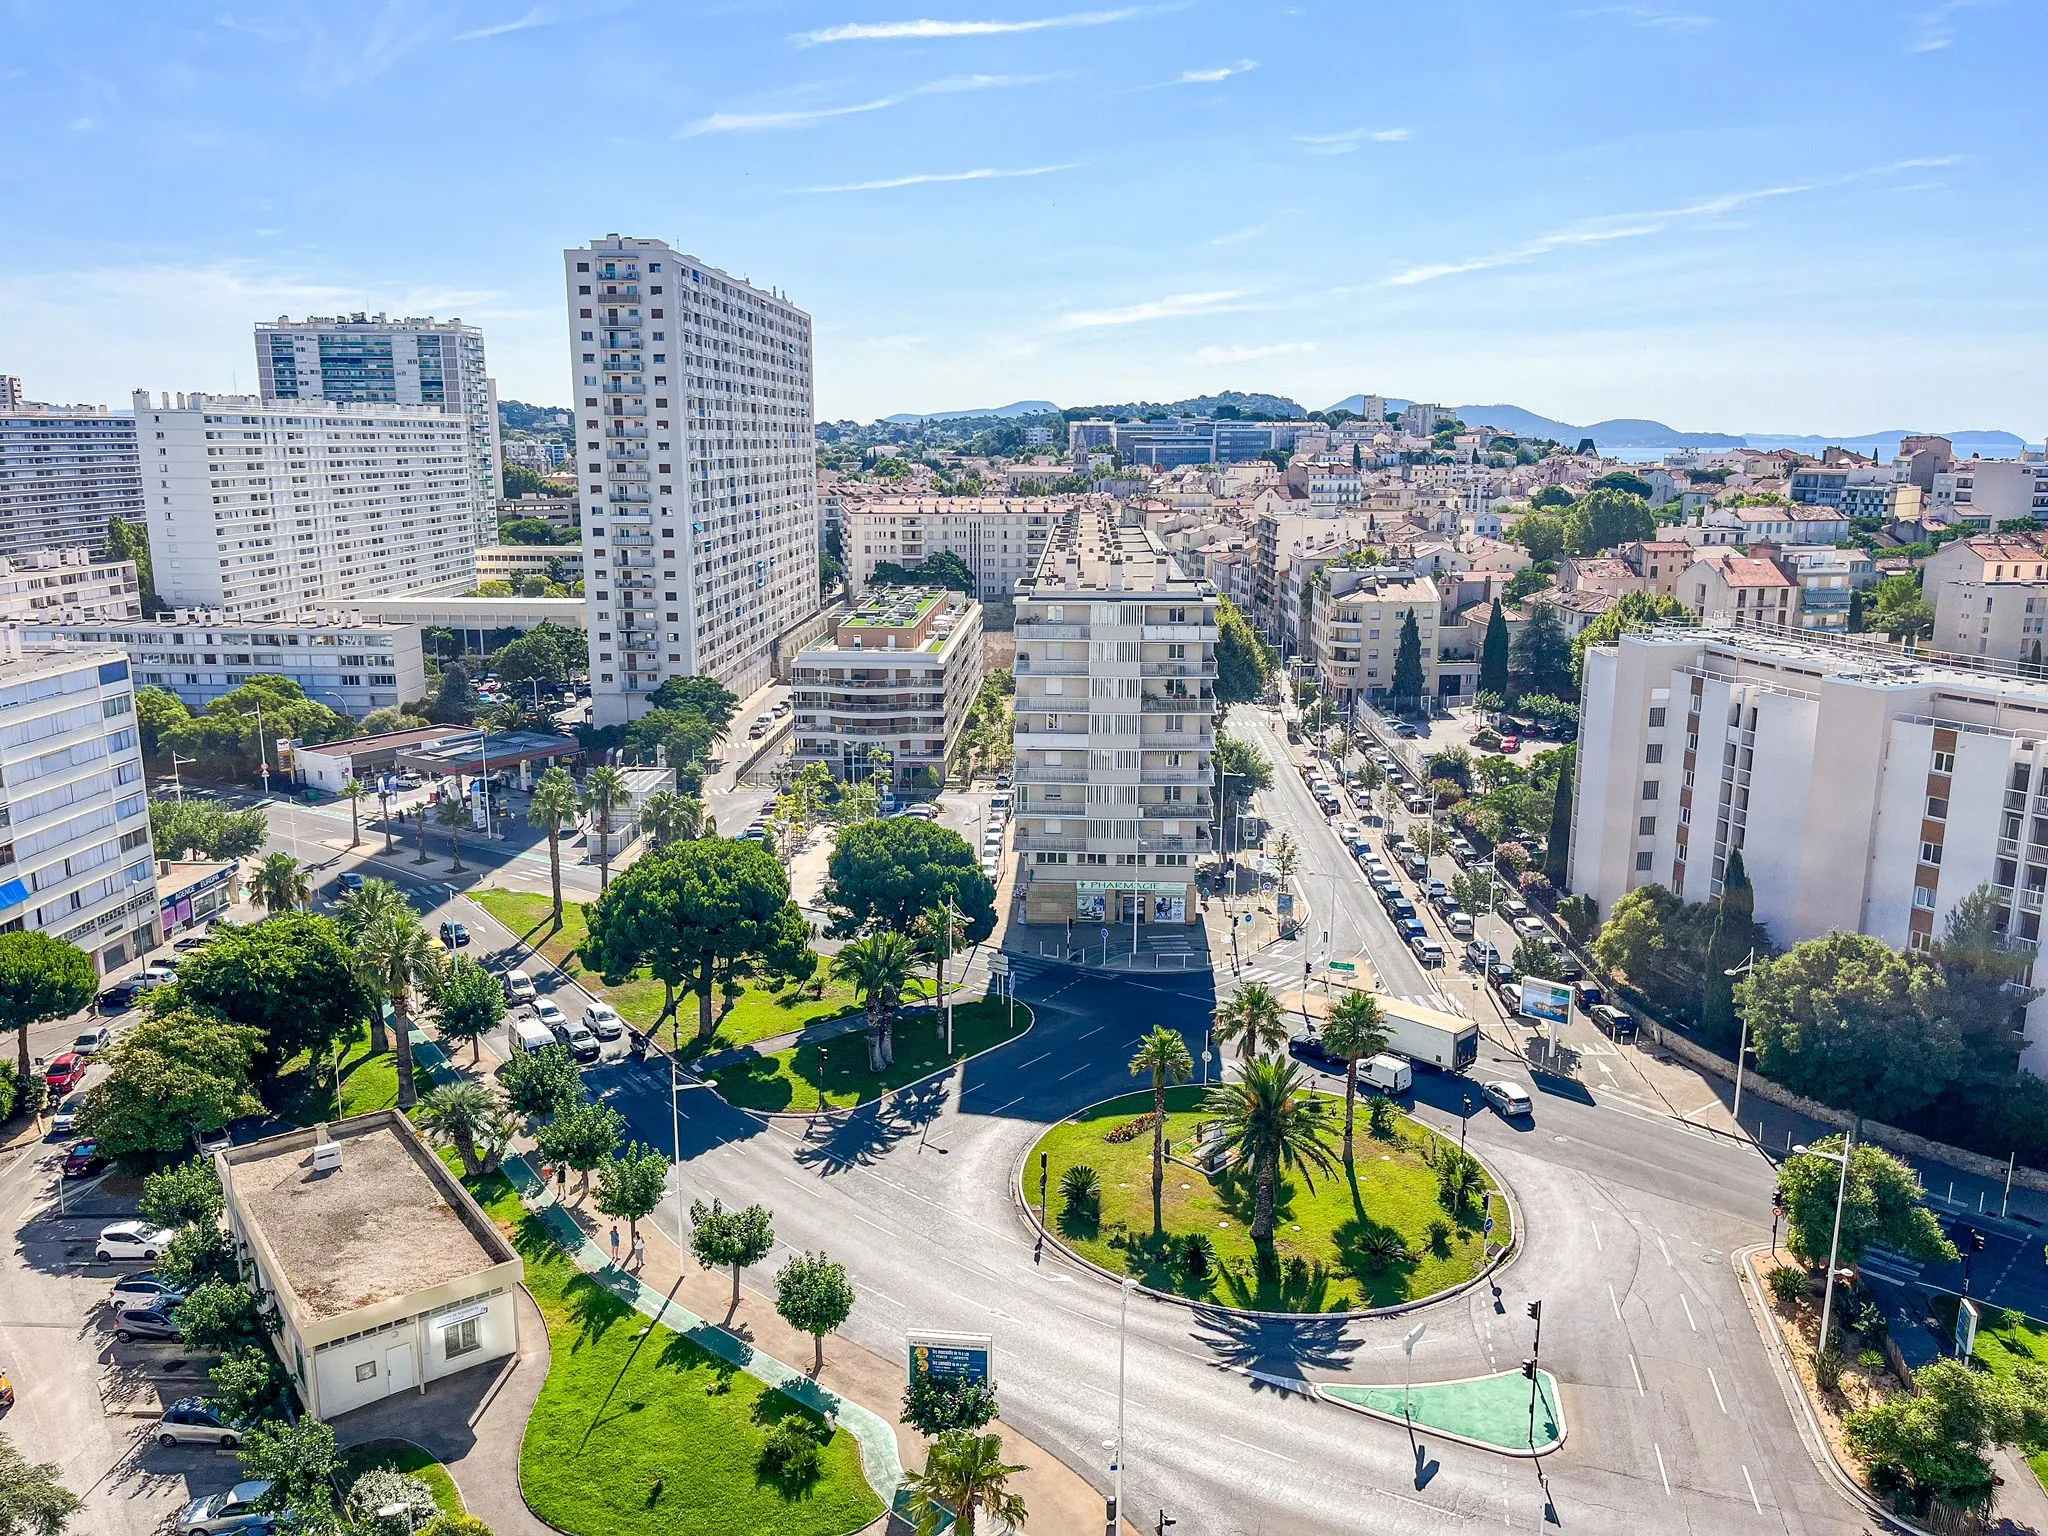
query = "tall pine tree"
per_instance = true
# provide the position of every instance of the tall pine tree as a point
(1493, 654)
(1855, 610)
(1409, 686)
(1727, 948)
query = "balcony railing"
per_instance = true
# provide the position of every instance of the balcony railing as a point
(1036, 843)
(1179, 810)
(1192, 703)
(1174, 776)
(1027, 667)
(1078, 774)
(1199, 843)
(1036, 630)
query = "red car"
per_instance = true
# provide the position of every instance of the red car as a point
(1511, 743)
(83, 1160)
(64, 1073)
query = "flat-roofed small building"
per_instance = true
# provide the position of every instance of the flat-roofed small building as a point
(898, 675)
(385, 1273)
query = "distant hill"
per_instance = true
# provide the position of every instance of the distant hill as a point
(1015, 408)
(1883, 445)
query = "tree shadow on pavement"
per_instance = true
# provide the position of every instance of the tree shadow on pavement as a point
(1283, 1349)
(834, 1142)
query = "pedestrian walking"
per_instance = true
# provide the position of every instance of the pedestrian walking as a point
(615, 1245)
(639, 1252)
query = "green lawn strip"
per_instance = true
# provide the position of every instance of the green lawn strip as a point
(1493, 1410)
(304, 1090)
(402, 1456)
(2015, 1338)
(1323, 1224)
(791, 1079)
(639, 1430)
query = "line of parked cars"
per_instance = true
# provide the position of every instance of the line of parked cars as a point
(543, 1023)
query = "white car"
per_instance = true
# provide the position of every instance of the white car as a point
(1529, 927)
(1511, 1099)
(218, 1512)
(130, 1240)
(603, 1021)
(519, 987)
(549, 1012)
(1514, 906)
(157, 973)
(66, 1115)
(195, 1421)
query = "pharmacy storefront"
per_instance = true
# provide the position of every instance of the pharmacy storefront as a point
(1126, 901)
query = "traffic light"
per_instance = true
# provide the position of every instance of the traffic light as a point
(1529, 1369)
(1536, 1311)
(1976, 1241)
(1165, 1520)
(1777, 1200)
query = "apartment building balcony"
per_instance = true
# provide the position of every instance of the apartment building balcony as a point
(623, 409)
(1197, 842)
(1202, 633)
(1177, 810)
(1026, 666)
(624, 387)
(637, 639)
(1193, 702)
(1177, 669)
(620, 453)
(1031, 842)
(1026, 632)
(1039, 774)
(621, 340)
(619, 364)
(1174, 776)
(1051, 741)
(621, 431)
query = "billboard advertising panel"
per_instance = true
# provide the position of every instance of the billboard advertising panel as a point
(1549, 1002)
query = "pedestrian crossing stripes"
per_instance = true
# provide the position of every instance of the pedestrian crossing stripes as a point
(1282, 973)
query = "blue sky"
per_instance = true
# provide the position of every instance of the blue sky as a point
(1727, 214)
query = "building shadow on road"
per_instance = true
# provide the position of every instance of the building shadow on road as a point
(834, 1142)
(1284, 1349)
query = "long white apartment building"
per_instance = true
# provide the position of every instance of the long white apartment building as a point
(375, 359)
(75, 859)
(68, 585)
(1868, 791)
(338, 659)
(65, 472)
(998, 538)
(892, 683)
(264, 509)
(697, 458)
(1114, 726)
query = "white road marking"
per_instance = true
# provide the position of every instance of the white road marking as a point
(1660, 1468)
(1715, 1380)
(1001, 1107)
(1695, 1327)
(1095, 1031)
(1250, 1447)
(1614, 1304)
(1077, 1071)
(1663, 1250)
(1636, 1373)
(1034, 1061)
(1598, 1246)
(1752, 1489)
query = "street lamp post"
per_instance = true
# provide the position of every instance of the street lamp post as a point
(1827, 1305)
(1117, 1469)
(1408, 1343)
(1741, 1050)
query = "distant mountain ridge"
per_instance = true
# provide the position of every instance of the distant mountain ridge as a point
(1014, 408)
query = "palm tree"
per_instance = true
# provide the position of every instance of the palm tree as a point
(459, 1114)
(360, 910)
(604, 791)
(452, 815)
(1165, 1055)
(938, 933)
(353, 792)
(280, 884)
(393, 956)
(554, 803)
(964, 1473)
(1357, 1030)
(878, 967)
(1251, 1016)
(663, 816)
(1270, 1123)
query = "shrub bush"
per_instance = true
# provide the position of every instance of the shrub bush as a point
(1380, 1116)
(1081, 1188)
(792, 1454)
(455, 1525)
(1198, 1256)
(1787, 1284)
(1130, 1130)
(1382, 1248)
(1827, 1371)
(383, 1488)
(1439, 1236)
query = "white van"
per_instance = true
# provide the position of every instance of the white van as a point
(1388, 1074)
(530, 1035)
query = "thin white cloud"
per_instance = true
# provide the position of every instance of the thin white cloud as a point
(1655, 16)
(1344, 143)
(928, 178)
(1253, 354)
(533, 18)
(1630, 226)
(1214, 76)
(1935, 28)
(884, 31)
(1173, 307)
(805, 117)
(1249, 232)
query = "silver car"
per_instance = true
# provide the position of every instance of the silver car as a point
(219, 1512)
(195, 1421)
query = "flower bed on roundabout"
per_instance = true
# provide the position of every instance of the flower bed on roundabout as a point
(1378, 1233)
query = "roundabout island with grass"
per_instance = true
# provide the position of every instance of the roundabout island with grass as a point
(1401, 1220)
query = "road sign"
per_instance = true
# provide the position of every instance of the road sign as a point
(951, 1356)
(1105, 933)
(1344, 967)
(999, 965)
(1489, 1226)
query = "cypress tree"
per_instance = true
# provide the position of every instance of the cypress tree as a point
(1557, 846)
(1409, 685)
(1493, 654)
(1856, 610)
(1734, 921)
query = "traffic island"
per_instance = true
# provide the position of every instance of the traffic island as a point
(833, 1074)
(1492, 1413)
(1381, 1235)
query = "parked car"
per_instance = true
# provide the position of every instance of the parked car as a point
(149, 1320)
(1511, 743)
(519, 987)
(1511, 998)
(1404, 729)
(1510, 1099)
(195, 1421)
(84, 1160)
(63, 1073)
(1588, 996)
(1410, 929)
(347, 881)
(454, 935)
(1501, 975)
(1435, 887)
(1481, 952)
(141, 1290)
(924, 811)
(122, 994)
(219, 1512)
(1427, 950)
(582, 1044)
(1387, 1074)
(93, 1041)
(1529, 927)
(603, 1021)
(1617, 1023)
(159, 973)
(130, 1240)
(66, 1115)
(1460, 924)
(191, 943)
(1513, 908)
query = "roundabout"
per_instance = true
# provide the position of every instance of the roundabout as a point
(1403, 1222)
